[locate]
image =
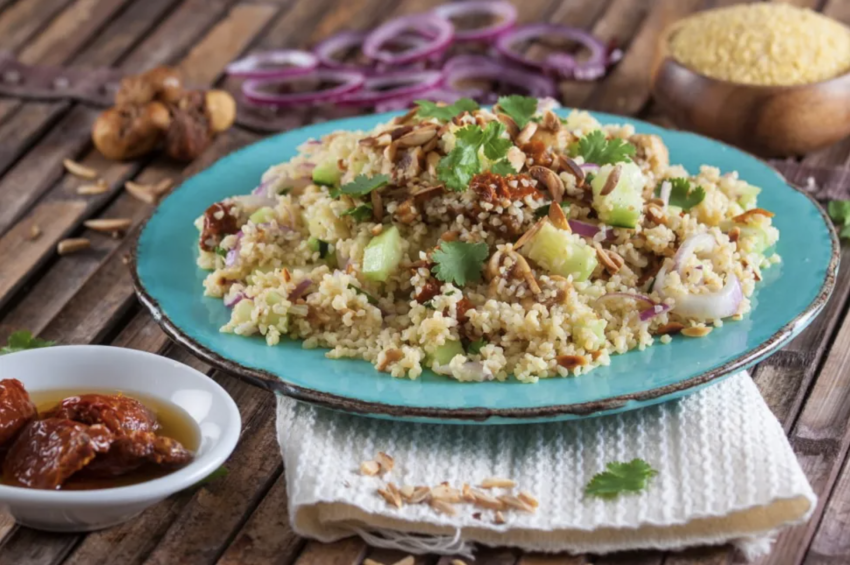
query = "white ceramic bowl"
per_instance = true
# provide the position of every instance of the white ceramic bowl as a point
(92, 367)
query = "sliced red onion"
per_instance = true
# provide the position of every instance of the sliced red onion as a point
(697, 243)
(504, 10)
(392, 86)
(664, 193)
(342, 41)
(233, 300)
(274, 64)
(299, 290)
(535, 85)
(653, 308)
(470, 60)
(233, 254)
(656, 310)
(589, 167)
(439, 31)
(563, 64)
(349, 82)
(589, 230)
(713, 306)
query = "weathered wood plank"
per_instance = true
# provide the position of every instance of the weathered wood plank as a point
(142, 333)
(631, 558)
(69, 31)
(31, 546)
(349, 551)
(22, 20)
(701, 556)
(831, 543)
(394, 556)
(267, 536)
(547, 559)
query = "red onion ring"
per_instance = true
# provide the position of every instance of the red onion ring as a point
(299, 290)
(439, 31)
(562, 64)
(234, 300)
(302, 63)
(694, 244)
(346, 40)
(536, 85)
(350, 81)
(411, 83)
(504, 9)
(589, 230)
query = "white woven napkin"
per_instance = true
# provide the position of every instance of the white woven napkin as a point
(726, 473)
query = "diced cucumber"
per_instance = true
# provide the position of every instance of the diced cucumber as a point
(675, 209)
(443, 354)
(622, 206)
(273, 298)
(747, 196)
(327, 173)
(262, 216)
(242, 311)
(561, 253)
(324, 248)
(597, 327)
(753, 239)
(382, 256)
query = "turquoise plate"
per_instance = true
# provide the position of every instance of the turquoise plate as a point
(793, 292)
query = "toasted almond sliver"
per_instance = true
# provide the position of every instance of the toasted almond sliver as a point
(529, 234)
(514, 502)
(79, 170)
(35, 232)
(409, 560)
(526, 134)
(497, 482)
(443, 507)
(109, 225)
(97, 188)
(499, 519)
(466, 493)
(371, 562)
(370, 468)
(611, 181)
(385, 461)
(141, 192)
(407, 492)
(528, 498)
(485, 500)
(445, 493)
(68, 246)
(670, 328)
(420, 494)
(558, 218)
(392, 498)
(696, 331)
(162, 186)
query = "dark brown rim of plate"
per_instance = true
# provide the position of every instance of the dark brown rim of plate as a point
(275, 383)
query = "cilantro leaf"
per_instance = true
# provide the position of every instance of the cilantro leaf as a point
(359, 213)
(502, 168)
(221, 251)
(22, 340)
(475, 347)
(600, 151)
(845, 232)
(519, 108)
(619, 478)
(459, 262)
(682, 194)
(458, 167)
(839, 210)
(495, 146)
(363, 185)
(428, 109)
(369, 298)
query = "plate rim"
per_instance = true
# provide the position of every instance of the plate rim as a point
(276, 383)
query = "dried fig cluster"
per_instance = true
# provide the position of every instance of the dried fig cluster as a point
(153, 108)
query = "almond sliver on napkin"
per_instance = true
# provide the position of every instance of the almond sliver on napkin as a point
(726, 473)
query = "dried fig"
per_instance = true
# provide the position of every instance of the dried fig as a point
(125, 132)
(160, 83)
(188, 136)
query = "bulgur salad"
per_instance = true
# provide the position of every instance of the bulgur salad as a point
(484, 243)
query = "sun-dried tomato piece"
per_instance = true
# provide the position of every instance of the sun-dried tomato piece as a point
(463, 305)
(219, 221)
(430, 289)
(16, 409)
(47, 452)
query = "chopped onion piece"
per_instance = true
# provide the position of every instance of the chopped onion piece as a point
(233, 300)
(299, 289)
(713, 306)
(697, 243)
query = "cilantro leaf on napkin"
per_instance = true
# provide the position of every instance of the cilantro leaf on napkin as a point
(22, 340)
(619, 478)
(458, 262)
(600, 151)
(519, 108)
(363, 185)
(428, 109)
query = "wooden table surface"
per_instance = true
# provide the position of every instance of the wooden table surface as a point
(88, 297)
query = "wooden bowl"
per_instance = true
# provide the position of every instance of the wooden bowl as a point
(770, 121)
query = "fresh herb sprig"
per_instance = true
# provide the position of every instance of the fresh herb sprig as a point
(619, 478)
(839, 211)
(459, 262)
(22, 340)
(683, 194)
(600, 151)
(359, 213)
(428, 109)
(519, 108)
(363, 185)
(463, 162)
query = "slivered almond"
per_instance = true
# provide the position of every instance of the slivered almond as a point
(466, 493)
(734, 234)
(370, 468)
(484, 500)
(109, 225)
(499, 518)
(696, 331)
(528, 498)
(141, 192)
(656, 214)
(526, 272)
(445, 493)
(549, 179)
(392, 498)
(550, 121)
(79, 170)
(35, 232)
(68, 246)
(407, 492)
(514, 502)
(377, 205)
(162, 186)
(497, 482)
(409, 560)
(612, 261)
(510, 125)
(567, 164)
(385, 461)
(443, 507)
(571, 361)
(611, 181)
(516, 158)
(742, 218)
(418, 137)
(371, 562)
(98, 187)
(558, 218)
(671, 328)
(420, 494)
(524, 238)
(527, 133)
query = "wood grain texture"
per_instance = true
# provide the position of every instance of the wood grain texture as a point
(831, 543)
(22, 20)
(349, 551)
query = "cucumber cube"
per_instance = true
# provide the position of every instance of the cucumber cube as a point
(561, 253)
(383, 255)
